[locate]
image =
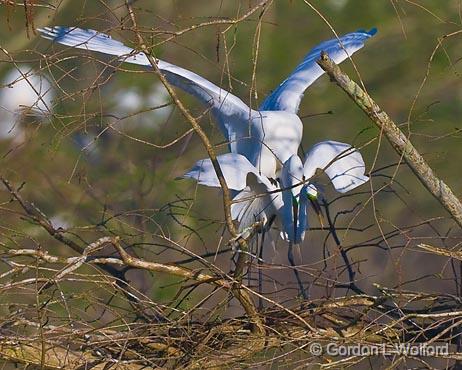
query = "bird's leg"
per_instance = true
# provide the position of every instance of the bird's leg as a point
(343, 253)
(290, 256)
(249, 268)
(260, 273)
(265, 228)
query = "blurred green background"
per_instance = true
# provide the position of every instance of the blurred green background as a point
(120, 183)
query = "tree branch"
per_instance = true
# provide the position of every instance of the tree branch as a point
(396, 138)
(243, 296)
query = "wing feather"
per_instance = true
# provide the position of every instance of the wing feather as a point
(289, 93)
(341, 162)
(228, 109)
(235, 168)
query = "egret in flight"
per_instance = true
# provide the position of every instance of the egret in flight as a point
(267, 137)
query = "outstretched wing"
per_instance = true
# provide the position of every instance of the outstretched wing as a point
(341, 162)
(256, 200)
(235, 168)
(289, 93)
(229, 110)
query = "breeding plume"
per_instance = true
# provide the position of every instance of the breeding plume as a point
(287, 201)
(260, 141)
(289, 197)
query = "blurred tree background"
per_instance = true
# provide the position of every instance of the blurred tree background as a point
(103, 157)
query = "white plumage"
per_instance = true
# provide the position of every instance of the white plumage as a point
(260, 141)
(266, 137)
(260, 198)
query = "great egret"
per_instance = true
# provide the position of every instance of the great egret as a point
(267, 137)
(288, 198)
(259, 140)
(342, 163)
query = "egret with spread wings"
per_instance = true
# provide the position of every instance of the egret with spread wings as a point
(287, 201)
(267, 137)
(263, 165)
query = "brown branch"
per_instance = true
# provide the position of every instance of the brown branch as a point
(397, 139)
(79, 261)
(168, 268)
(441, 252)
(243, 296)
(73, 263)
(38, 217)
(215, 22)
(350, 320)
(29, 352)
(347, 321)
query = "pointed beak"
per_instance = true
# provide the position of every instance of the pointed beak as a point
(317, 208)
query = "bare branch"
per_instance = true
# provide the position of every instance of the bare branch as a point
(397, 139)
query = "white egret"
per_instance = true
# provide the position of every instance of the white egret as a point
(287, 199)
(22, 93)
(266, 137)
(259, 140)
(265, 197)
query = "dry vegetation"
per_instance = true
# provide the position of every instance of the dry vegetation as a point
(153, 273)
